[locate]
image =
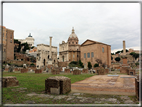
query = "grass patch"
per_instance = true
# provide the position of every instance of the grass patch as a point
(34, 83)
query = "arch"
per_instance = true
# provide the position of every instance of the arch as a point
(63, 58)
(44, 62)
(54, 60)
(48, 56)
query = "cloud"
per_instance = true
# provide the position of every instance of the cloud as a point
(110, 23)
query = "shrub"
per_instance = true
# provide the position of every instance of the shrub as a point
(117, 59)
(89, 65)
(96, 65)
(136, 63)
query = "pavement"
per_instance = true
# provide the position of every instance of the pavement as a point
(106, 84)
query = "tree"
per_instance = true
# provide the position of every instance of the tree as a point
(96, 65)
(117, 52)
(126, 51)
(89, 65)
(81, 64)
(112, 53)
(26, 47)
(134, 55)
(117, 59)
(99, 61)
(111, 58)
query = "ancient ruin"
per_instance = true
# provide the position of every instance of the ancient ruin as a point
(9, 81)
(46, 55)
(76, 72)
(58, 85)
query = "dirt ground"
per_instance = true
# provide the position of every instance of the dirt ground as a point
(106, 84)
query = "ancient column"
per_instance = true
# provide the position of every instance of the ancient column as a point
(50, 47)
(124, 50)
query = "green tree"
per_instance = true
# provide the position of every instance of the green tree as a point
(26, 47)
(126, 51)
(81, 64)
(96, 65)
(117, 52)
(111, 58)
(117, 59)
(134, 55)
(112, 53)
(89, 65)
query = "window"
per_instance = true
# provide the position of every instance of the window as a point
(73, 56)
(84, 55)
(102, 49)
(88, 55)
(92, 54)
(76, 42)
(10, 41)
(72, 42)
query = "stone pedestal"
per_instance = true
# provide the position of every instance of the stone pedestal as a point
(24, 70)
(101, 72)
(124, 69)
(38, 71)
(76, 72)
(85, 71)
(131, 72)
(57, 85)
(9, 81)
(137, 87)
(67, 70)
(55, 71)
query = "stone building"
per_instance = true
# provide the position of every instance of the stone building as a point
(8, 43)
(29, 40)
(70, 50)
(92, 50)
(46, 55)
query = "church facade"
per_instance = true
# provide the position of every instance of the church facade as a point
(70, 50)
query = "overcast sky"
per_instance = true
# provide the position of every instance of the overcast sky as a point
(109, 23)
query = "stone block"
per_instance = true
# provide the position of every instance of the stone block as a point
(67, 70)
(76, 72)
(137, 87)
(124, 70)
(55, 90)
(106, 71)
(55, 71)
(131, 72)
(6, 69)
(58, 83)
(9, 81)
(24, 70)
(101, 72)
(85, 71)
(38, 71)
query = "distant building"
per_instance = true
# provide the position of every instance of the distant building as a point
(70, 50)
(8, 43)
(92, 50)
(29, 40)
(46, 55)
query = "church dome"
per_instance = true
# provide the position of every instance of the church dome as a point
(73, 39)
(73, 35)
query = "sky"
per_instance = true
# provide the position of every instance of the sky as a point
(109, 23)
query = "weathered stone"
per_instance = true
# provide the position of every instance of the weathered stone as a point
(85, 71)
(101, 72)
(131, 72)
(11, 69)
(55, 90)
(76, 72)
(64, 83)
(38, 71)
(76, 94)
(67, 70)
(24, 70)
(9, 81)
